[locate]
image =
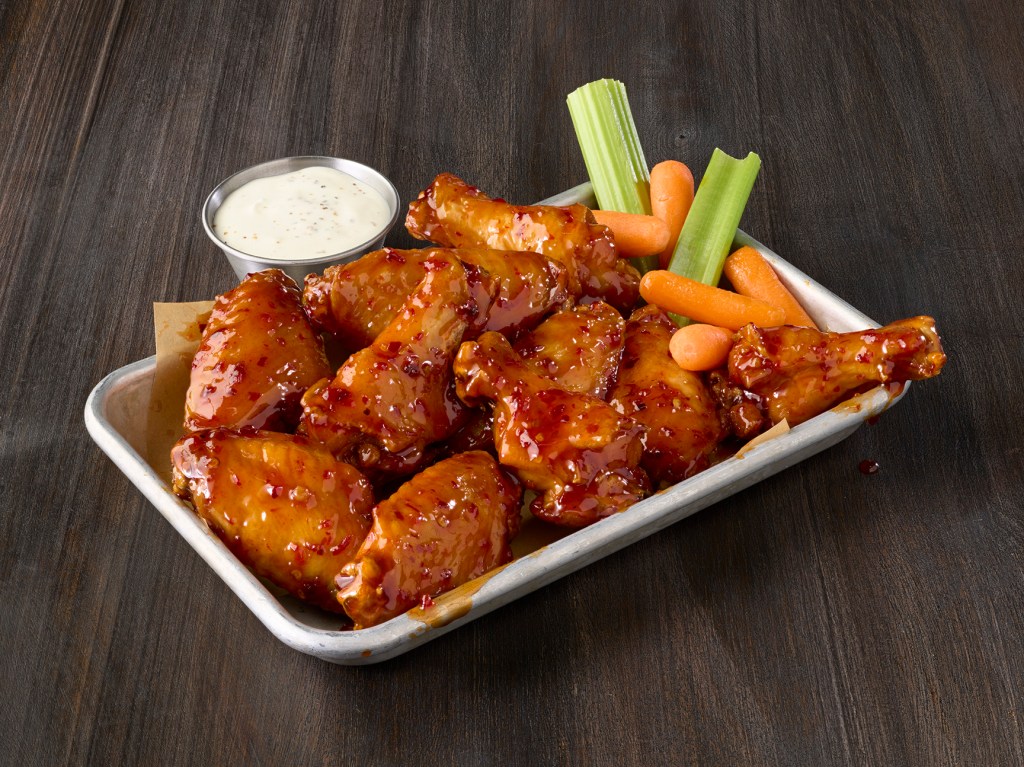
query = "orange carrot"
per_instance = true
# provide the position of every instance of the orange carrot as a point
(700, 347)
(671, 198)
(635, 235)
(704, 303)
(751, 275)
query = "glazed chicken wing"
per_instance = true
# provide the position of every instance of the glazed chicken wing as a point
(574, 449)
(391, 400)
(447, 525)
(285, 507)
(356, 301)
(796, 373)
(530, 287)
(257, 356)
(681, 416)
(452, 213)
(577, 348)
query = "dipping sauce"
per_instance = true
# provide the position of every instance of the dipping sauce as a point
(308, 213)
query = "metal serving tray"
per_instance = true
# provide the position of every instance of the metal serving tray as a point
(116, 416)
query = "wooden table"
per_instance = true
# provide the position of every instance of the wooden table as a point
(820, 617)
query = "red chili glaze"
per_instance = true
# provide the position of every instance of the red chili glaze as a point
(578, 348)
(796, 373)
(355, 302)
(681, 416)
(453, 213)
(391, 400)
(576, 450)
(285, 507)
(257, 356)
(447, 525)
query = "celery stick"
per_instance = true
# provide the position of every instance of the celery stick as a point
(611, 150)
(710, 226)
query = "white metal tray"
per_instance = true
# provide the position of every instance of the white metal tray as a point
(116, 416)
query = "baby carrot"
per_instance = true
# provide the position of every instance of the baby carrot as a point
(700, 347)
(635, 235)
(671, 198)
(704, 303)
(751, 275)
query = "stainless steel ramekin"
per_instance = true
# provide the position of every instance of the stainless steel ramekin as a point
(297, 269)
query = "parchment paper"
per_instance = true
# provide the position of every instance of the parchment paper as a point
(178, 330)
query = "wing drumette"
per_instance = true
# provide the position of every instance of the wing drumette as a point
(683, 426)
(796, 373)
(285, 507)
(391, 400)
(577, 348)
(257, 356)
(447, 525)
(452, 213)
(576, 450)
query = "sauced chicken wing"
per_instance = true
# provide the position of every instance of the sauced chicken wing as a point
(530, 287)
(447, 525)
(356, 301)
(576, 450)
(683, 425)
(577, 348)
(452, 213)
(257, 356)
(796, 373)
(285, 507)
(391, 400)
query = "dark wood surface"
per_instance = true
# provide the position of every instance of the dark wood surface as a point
(821, 617)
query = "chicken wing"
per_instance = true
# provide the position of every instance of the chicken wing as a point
(286, 508)
(681, 416)
(391, 400)
(356, 301)
(577, 348)
(257, 356)
(452, 213)
(576, 450)
(447, 525)
(530, 287)
(796, 373)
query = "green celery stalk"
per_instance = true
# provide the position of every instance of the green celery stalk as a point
(710, 226)
(611, 151)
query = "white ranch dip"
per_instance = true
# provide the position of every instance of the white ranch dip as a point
(304, 214)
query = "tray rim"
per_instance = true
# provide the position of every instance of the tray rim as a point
(523, 575)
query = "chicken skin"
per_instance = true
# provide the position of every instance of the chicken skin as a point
(452, 213)
(391, 400)
(530, 287)
(577, 348)
(681, 416)
(285, 507)
(257, 356)
(574, 449)
(447, 525)
(356, 301)
(796, 373)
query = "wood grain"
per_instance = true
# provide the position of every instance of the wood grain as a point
(821, 617)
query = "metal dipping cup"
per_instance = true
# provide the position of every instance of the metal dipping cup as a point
(297, 269)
